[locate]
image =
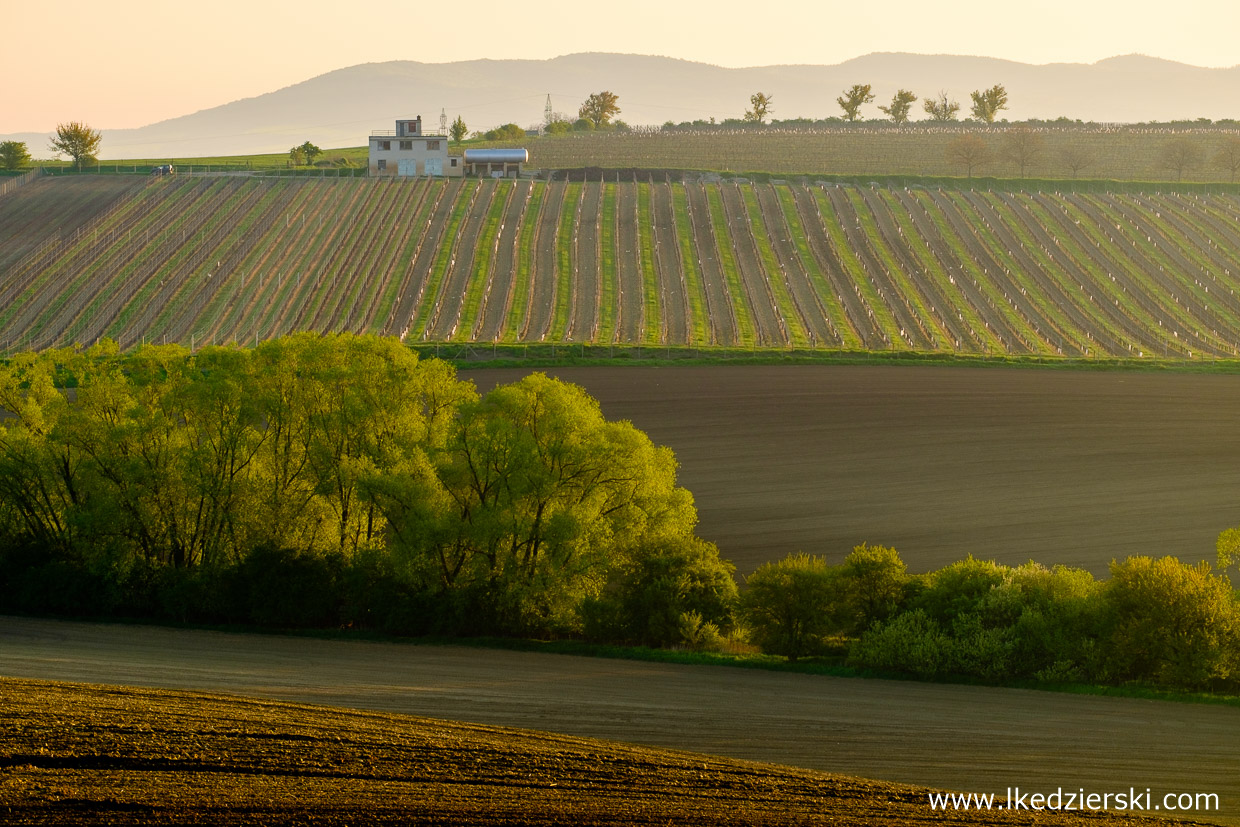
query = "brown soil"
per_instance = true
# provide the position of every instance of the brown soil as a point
(83, 754)
(1076, 468)
(972, 738)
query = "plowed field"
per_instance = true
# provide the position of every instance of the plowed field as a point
(108, 755)
(205, 753)
(1076, 468)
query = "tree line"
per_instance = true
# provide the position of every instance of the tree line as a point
(339, 481)
(1153, 621)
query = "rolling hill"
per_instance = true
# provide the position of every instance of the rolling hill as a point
(675, 263)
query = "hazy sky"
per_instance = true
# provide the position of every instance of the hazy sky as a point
(128, 63)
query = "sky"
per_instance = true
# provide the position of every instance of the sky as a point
(127, 63)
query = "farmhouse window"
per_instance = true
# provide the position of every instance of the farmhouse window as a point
(385, 145)
(382, 165)
(453, 162)
(432, 145)
(406, 144)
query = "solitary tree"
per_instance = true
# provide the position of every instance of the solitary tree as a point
(940, 108)
(13, 154)
(77, 140)
(1180, 156)
(969, 151)
(1076, 158)
(987, 104)
(761, 103)
(458, 130)
(600, 108)
(901, 103)
(297, 156)
(309, 150)
(1227, 157)
(854, 99)
(1021, 146)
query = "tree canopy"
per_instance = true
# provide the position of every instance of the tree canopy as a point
(599, 108)
(77, 140)
(759, 107)
(458, 130)
(853, 99)
(941, 108)
(13, 155)
(987, 104)
(901, 103)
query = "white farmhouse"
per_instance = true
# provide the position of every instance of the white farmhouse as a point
(408, 151)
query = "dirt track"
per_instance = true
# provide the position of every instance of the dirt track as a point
(1061, 467)
(967, 738)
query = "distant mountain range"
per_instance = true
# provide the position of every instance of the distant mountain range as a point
(340, 108)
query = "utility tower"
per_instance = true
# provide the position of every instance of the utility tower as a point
(443, 122)
(547, 116)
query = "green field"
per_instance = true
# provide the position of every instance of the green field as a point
(1048, 271)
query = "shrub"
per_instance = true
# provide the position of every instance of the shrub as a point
(911, 642)
(788, 605)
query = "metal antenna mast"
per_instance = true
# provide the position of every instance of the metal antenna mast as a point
(443, 122)
(547, 116)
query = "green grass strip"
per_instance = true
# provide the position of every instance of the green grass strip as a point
(565, 278)
(526, 254)
(700, 333)
(854, 269)
(652, 334)
(745, 332)
(797, 335)
(484, 261)
(608, 265)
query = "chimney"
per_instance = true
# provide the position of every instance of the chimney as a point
(417, 126)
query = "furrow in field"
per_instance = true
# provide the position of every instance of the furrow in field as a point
(609, 272)
(458, 202)
(772, 328)
(699, 309)
(925, 255)
(497, 298)
(723, 308)
(629, 326)
(1087, 242)
(847, 291)
(482, 272)
(813, 317)
(584, 324)
(1055, 276)
(542, 292)
(462, 265)
(982, 264)
(654, 325)
(393, 264)
(1019, 276)
(516, 313)
(672, 291)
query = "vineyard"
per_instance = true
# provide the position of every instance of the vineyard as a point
(694, 263)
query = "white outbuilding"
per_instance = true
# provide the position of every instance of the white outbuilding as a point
(408, 151)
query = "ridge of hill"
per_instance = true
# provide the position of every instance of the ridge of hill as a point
(341, 107)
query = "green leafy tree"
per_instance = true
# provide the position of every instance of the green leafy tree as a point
(969, 152)
(13, 154)
(458, 130)
(873, 582)
(309, 151)
(901, 103)
(789, 605)
(507, 132)
(78, 141)
(297, 156)
(1022, 146)
(853, 99)
(760, 106)
(1172, 623)
(940, 108)
(599, 108)
(987, 104)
